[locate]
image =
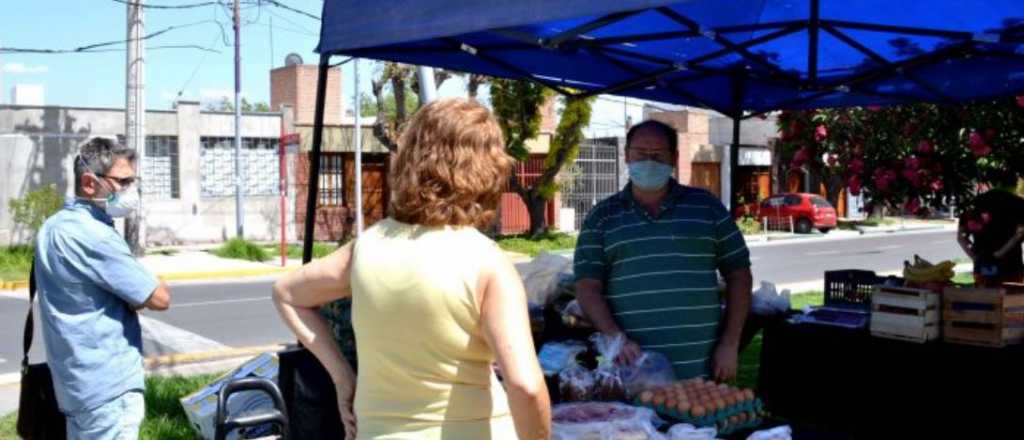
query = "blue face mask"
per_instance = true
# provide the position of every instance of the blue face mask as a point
(649, 175)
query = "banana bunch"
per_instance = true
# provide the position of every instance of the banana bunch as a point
(923, 271)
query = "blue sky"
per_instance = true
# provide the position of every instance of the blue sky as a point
(97, 79)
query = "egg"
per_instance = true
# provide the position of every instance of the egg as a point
(646, 396)
(720, 404)
(683, 407)
(658, 399)
(671, 403)
(729, 400)
(749, 393)
(698, 411)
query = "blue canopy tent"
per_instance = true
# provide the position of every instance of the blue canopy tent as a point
(740, 57)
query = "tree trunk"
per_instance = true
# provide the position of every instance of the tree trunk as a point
(537, 207)
(131, 235)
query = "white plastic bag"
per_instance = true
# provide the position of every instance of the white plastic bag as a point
(768, 301)
(608, 383)
(541, 276)
(603, 421)
(651, 370)
(783, 432)
(556, 356)
(685, 431)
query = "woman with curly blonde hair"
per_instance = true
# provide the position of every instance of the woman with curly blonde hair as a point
(434, 301)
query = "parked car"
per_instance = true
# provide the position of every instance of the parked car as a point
(808, 211)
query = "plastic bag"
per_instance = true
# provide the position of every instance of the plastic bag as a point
(684, 431)
(541, 276)
(603, 421)
(768, 301)
(783, 432)
(608, 376)
(651, 370)
(575, 383)
(556, 356)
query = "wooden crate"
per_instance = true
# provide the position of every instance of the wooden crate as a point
(905, 314)
(991, 317)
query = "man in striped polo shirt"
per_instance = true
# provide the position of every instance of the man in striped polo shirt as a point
(647, 264)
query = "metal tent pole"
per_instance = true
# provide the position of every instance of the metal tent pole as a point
(312, 194)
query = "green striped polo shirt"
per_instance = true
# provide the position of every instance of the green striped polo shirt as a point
(660, 272)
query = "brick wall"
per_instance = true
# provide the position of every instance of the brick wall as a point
(296, 86)
(693, 131)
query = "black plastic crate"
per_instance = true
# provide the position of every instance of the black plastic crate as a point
(850, 289)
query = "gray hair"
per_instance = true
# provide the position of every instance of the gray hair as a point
(97, 156)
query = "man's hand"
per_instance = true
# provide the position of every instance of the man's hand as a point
(348, 417)
(630, 352)
(725, 362)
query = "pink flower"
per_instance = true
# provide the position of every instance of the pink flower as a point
(820, 133)
(910, 129)
(912, 162)
(973, 226)
(912, 177)
(925, 147)
(986, 217)
(978, 145)
(873, 108)
(857, 166)
(913, 205)
(854, 184)
(832, 159)
(1020, 101)
(936, 185)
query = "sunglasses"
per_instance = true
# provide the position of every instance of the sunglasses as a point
(122, 181)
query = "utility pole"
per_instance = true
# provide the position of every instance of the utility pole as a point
(135, 121)
(428, 90)
(358, 148)
(239, 174)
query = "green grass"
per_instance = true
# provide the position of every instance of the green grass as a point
(165, 418)
(964, 278)
(534, 246)
(15, 262)
(320, 250)
(241, 249)
(8, 426)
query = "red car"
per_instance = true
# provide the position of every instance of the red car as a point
(809, 211)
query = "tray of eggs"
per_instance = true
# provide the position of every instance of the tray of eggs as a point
(705, 403)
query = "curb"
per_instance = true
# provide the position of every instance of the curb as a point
(157, 363)
(176, 359)
(182, 276)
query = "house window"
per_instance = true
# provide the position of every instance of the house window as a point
(260, 166)
(160, 167)
(332, 175)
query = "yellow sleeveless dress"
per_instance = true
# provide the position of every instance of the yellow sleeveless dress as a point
(424, 365)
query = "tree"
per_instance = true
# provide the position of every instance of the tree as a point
(913, 157)
(518, 107)
(396, 83)
(226, 105)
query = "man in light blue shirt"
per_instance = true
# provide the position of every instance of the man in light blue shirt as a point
(90, 291)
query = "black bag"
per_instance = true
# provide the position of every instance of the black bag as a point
(309, 396)
(39, 417)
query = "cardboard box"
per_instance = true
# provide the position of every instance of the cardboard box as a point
(201, 406)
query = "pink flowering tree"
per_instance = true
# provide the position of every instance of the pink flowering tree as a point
(911, 158)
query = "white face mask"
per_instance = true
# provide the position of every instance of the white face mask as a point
(122, 203)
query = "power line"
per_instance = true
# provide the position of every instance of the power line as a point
(97, 46)
(289, 8)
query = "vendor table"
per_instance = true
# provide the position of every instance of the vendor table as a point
(844, 380)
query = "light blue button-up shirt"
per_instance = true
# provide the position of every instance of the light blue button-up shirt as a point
(89, 288)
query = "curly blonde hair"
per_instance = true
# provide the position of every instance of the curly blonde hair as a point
(451, 166)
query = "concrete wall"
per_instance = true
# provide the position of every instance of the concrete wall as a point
(753, 131)
(38, 144)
